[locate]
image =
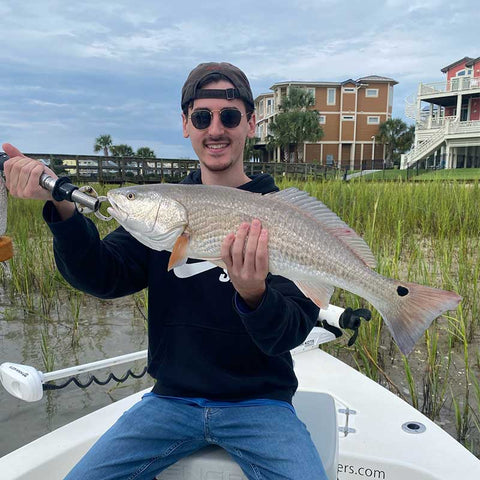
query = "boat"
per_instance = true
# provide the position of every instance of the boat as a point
(360, 429)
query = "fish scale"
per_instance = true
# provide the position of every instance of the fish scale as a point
(307, 243)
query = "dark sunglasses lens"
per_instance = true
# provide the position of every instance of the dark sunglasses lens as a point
(230, 117)
(201, 119)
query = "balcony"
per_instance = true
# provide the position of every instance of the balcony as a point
(454, 85)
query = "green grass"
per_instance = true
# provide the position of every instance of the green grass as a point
(459, 174)
(426, 232)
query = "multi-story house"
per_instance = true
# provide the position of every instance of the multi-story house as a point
(350, 115)
(447, 119)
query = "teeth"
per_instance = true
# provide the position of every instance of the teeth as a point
(217, 146)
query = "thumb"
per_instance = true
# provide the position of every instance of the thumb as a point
(12, 151)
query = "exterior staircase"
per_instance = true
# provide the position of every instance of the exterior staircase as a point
(424, 149)
(451, 130)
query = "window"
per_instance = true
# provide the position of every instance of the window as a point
(373, 120)
(347, 117)
(269, 106)
(331, 96)
(348, 90)
(311, 91)
(322, 119)
(371, 92)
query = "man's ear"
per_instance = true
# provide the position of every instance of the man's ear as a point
(251, 126)
(184, 125)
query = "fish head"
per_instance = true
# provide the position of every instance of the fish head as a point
(150, 215)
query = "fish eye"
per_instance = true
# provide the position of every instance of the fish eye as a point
(131, 196)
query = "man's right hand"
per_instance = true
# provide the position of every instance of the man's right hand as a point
(22, 177)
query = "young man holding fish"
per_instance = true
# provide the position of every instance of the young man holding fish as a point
(219, 340)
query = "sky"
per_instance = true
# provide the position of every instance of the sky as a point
(74, 70)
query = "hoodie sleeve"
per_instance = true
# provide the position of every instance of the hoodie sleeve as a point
(108, 268)
(284, 318)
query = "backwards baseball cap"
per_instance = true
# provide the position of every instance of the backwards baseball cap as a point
(191, 89)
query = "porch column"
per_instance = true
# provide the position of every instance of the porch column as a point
(430, 115)
(448, 159)
(459, 107)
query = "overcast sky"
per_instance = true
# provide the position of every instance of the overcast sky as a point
(73, 70)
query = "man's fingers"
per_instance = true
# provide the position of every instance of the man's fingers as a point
(238, 246)
(225, 249)
(12, 151)
(251, 245)
(262, 253)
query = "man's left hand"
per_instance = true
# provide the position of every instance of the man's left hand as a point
(245, 255)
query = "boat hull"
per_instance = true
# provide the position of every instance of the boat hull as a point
(377, 435)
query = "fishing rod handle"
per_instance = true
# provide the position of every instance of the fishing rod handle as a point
(61, 188)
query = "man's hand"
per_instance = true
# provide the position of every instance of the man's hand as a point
(22, 177)
(246, 256)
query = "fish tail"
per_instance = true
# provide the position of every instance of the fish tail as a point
(415, 308)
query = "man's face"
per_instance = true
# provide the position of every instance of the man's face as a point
(217, 147)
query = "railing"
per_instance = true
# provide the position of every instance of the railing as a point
(93, 168)
(417, 153)
(428, 122)
(453, 85)
(450, 128)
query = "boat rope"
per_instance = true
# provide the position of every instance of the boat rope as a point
(94, 379)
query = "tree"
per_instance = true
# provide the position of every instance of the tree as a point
(250, 150)
(145, 152)
(122, 150)
(398, 138)
(103, 142)
(296, 124)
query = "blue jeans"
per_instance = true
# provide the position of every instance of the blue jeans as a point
(268, 442)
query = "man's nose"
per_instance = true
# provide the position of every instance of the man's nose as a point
(216, 126)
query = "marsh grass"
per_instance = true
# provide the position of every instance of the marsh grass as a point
(427, 233)
(423, 232)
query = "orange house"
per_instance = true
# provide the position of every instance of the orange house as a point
(350, 113)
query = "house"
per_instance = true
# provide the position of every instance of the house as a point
(447, 119)
(350, 114)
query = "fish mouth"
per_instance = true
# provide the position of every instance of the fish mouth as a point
(116, 211)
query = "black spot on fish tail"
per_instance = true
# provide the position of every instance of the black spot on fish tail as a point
(402, 291)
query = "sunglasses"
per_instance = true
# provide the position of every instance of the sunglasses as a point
(202, 118)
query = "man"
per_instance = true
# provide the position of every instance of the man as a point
(218, 341)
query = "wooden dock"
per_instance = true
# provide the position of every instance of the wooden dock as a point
(120, 170)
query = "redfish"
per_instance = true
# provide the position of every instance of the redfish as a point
(308, 244)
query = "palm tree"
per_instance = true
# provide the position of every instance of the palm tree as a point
(297, 122)
(250, 150)
(145, 152)
(398, 138)
(122, 150)
(103, 142)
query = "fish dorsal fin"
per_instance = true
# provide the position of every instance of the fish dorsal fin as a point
(329, 221)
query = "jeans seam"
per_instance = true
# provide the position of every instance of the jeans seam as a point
(146, 465)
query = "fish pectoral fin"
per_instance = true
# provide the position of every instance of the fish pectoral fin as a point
(179, 252)
(319, 293)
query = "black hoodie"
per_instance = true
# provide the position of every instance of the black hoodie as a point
(202, 342)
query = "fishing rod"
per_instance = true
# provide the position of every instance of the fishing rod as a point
(62, 188)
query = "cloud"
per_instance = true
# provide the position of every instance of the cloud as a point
(74, 70)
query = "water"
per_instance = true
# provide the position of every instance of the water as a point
(105, 329)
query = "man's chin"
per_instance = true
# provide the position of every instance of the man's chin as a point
(216, 166)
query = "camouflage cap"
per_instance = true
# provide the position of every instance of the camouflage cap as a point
(192, 91)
